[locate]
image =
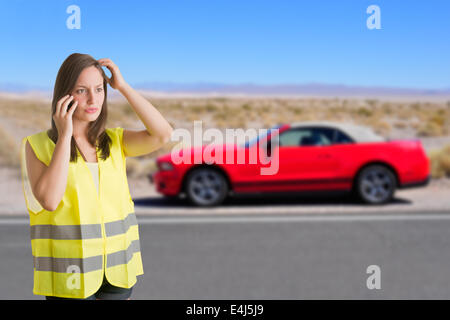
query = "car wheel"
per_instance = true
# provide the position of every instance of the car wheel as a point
(376, 184)
(206, 187)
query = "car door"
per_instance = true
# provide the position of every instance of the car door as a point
(257, 174)
(305, 162)
(344, 154)
(306, 158)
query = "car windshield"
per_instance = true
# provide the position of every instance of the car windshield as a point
(255, 140)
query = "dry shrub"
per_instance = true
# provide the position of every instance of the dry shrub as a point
(134, 167)
(364, 112)
(400, 125)
(386, 107)
(140, 168)
(440, 162)
(246, 107)
(382, 127)
(9, 151)
(149, 166)
(372, 102)
(430, 129)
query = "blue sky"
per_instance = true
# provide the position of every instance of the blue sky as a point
(233, 42)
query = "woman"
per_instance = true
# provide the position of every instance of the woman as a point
(84, 233)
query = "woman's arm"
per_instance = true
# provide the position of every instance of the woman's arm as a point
(158, 129)
(49, 183)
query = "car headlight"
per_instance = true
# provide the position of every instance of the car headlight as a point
(165, 166)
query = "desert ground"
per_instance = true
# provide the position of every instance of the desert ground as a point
(425, 120)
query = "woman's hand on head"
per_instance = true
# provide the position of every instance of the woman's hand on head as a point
(63, 118)
(116, 81)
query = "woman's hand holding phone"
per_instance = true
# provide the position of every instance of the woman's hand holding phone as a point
(65, 107)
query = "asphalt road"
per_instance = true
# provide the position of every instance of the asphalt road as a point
(270, 256)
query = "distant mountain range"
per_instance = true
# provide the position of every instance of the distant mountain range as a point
(309, 88)
(249, 89)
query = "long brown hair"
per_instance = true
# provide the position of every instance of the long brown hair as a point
(65, 82)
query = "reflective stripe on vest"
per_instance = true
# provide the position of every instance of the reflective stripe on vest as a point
(83, 231)
(86, 264)
(121, 226)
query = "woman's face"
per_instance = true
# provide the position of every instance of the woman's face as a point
(89, 93)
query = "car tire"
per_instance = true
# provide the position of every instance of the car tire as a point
(206, 187)
(375, 184)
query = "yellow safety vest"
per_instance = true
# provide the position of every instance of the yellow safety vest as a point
(89, 234)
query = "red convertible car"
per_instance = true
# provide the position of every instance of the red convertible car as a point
(312, 156)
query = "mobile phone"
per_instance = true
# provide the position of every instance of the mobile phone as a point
(70, 105)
